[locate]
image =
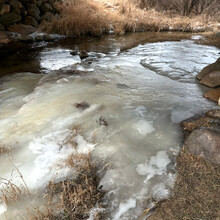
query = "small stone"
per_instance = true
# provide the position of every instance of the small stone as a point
(39, 38)
(39, 3)
(48, 37)
(26, 38)
(212, 79)
(4, 8)
(74, 53)
(83, 54)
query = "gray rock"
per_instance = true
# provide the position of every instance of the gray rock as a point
(31, 21)
(2, 28)
(33, 11)
(10, 18)
(46, 7)
(204, 143)
(26, 38)
(4, 9)
(208, 69)
(48, 16)
(217, 34)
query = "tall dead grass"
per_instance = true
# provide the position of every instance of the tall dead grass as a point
(97, 17)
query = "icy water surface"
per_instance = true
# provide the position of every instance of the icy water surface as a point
(142, 93)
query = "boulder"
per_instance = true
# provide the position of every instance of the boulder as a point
(21, 28)
(15, 5)
(208, 69)
(33, 11)
(48, 16)
(10, 18)
(2, 28)
(204, 143)
(46, 7)
(30, 21)
(211, 79)
(4, 9)
(213, 94)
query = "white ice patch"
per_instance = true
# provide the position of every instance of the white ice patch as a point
(155, 166)
(52, 150)
(3, 208)
(57, 58)
(124, 207)
(160, 192)
(144, 127)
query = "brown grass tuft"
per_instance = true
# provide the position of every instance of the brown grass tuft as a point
(4, 148)
(196, 192)
(73, 198)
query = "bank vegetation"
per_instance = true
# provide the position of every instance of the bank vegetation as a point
(98, 17)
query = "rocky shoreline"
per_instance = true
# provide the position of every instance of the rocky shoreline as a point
(19, 18)
(198, 163)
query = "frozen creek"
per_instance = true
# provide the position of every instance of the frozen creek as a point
(142, 93)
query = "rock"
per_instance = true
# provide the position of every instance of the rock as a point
(33, 11)
(3, 37)
(21, 28)
(10, 18)
(15, 6)
(212, 79)
(30, 21)
(74, 52)
(213, 94)
(83, 54)
(24, 37)
(46, 7)
(208, 69)
(4, 9)
(2, 28)
(2, 1)
(215, 113)
(48, 16)
(39, 38)
(39, 3)
(217, 34)
(48, 37)
(204, 143)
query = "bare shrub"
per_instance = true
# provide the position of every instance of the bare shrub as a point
(4, 148)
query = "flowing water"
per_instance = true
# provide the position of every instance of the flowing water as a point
(141, 94)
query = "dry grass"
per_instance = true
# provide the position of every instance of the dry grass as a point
(196, 192)
(4, 148)
(73, 198)
(97, 17)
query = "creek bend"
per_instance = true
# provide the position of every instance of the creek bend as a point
(142, 92)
